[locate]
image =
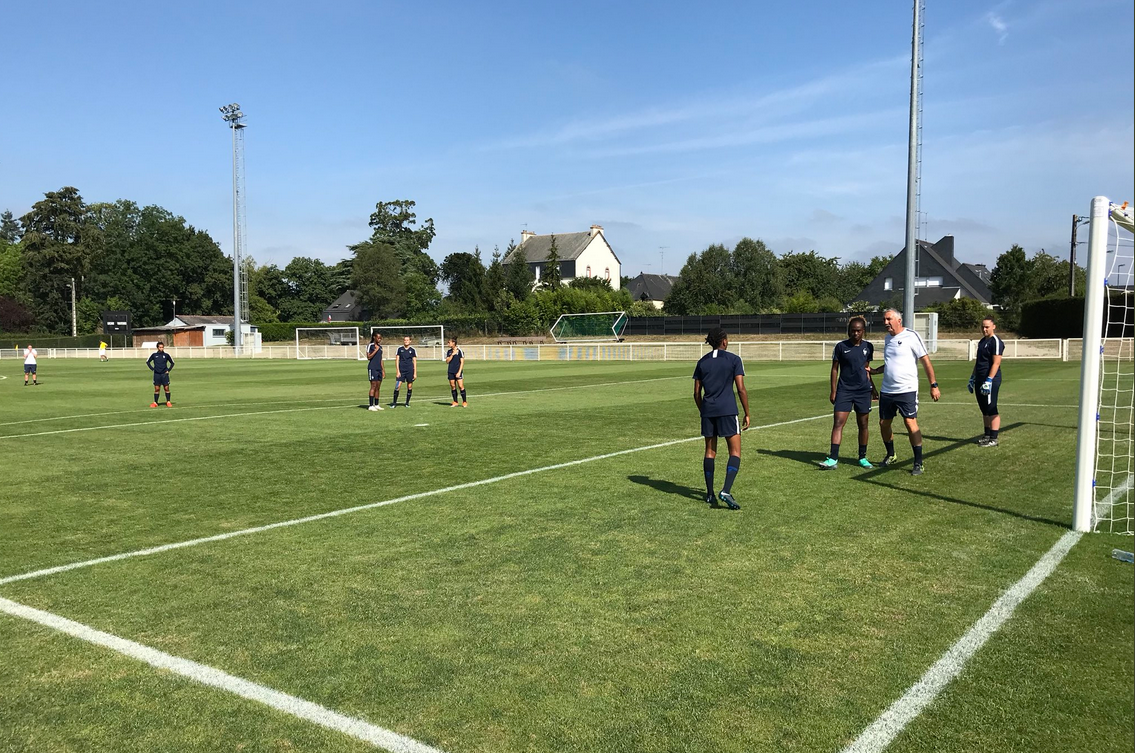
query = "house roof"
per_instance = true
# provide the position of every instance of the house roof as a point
(971, 284)
(347, 302)
(568, 245)
(648, 287)
(191, 320)
(929, 296)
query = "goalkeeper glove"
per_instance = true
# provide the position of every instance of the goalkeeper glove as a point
(987, 387)
(970, 385)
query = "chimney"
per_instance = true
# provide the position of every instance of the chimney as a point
(595, 230)
(945, 248)
(526, 234)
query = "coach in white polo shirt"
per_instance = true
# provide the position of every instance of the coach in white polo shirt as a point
(902, 351)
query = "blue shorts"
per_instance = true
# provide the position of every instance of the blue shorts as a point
(846, 401)
(720, 426)
(455, 375)
(161, 379)
(987, 403)
(29, 368)
(904, 403)
(408, 378)
(375, 375)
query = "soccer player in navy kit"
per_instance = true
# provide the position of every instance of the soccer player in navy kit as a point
(407, 359)
(852, 389)
(161, 364)
(375, 370)
(714, 377)
(455, 357)
(986, 377)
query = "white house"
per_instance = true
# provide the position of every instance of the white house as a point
(581, 255)
(190, 330)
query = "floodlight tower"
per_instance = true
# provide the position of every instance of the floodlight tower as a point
(233, 116)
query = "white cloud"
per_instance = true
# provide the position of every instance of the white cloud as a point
(998, 24)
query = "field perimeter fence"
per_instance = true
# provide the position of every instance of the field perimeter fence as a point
(786, 350)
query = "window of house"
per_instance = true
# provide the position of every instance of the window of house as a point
(219, 332)
(928, 282)
(889, 283)
(607, 274)
(588, 270)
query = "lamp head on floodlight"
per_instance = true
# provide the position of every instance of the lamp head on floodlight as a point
(232, 114)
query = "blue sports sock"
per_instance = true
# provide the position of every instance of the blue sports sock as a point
(862, 451)
(707, 467)
(993, 433)
(918, 454)
(371, 399)
(395, 400)
(731, 469)
(454, 393)
(409, 391)
(834, 453)
(463, 395)
(890, 447)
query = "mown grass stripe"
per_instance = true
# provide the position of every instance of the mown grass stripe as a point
(213, 677)
(883, 731)
(360, 508)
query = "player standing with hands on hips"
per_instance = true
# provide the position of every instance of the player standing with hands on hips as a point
(986, 377)
(161, 364)
(375, 369)
(455, 357)
(714, 377)
(902, 352)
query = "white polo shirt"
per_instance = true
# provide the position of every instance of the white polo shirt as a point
(29, 356)
(900, 356)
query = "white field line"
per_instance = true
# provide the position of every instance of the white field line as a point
(351, 404)
(360, 508)
(1102, 505)
(206, 675)
(883, 731)
(1012, 405)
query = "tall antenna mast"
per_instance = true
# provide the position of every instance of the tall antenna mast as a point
(913, 154)
(233, 116)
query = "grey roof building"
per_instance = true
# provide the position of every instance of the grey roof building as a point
(346, 308)
(581, 255)
(652, 288)
(940, 277)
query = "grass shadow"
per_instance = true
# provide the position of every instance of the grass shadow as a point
(800, 456)
(669, 487)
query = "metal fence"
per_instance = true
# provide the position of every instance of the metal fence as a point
(785, 350)
(749, 324)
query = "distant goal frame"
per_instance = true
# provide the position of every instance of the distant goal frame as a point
(305, 352)
(616, 332)
(394, 328)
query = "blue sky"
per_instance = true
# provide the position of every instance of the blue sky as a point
(670, 124)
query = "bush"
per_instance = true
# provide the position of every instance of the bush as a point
(960, 313)
(1063, 316)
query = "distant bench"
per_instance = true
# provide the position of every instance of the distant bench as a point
(521, 340)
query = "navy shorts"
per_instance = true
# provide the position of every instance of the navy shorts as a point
(408, 378)
(29, 368)
(720, 426)
(161, 379)
(375, 375)
(455, 375)
(987, 403)
(846, 401)
(904, 403)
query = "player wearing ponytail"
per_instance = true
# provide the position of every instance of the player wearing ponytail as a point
(714, 378)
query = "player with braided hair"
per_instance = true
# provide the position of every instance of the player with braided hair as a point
(714, 378)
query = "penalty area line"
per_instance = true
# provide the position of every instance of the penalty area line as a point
(216, 678)
(883, 731)
(370, 506)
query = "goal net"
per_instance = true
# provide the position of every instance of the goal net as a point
(1105, 468)
(427, 339)
(328, 342)
(603, 326)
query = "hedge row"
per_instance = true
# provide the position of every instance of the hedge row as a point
(1064, 317)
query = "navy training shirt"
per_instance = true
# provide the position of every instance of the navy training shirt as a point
(455, 364)
(406, 358)
(160, 362)
(986, 349)
(376, 353)
(852, 360)
(716, 371)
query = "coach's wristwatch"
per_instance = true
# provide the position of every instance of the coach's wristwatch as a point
(933, 385)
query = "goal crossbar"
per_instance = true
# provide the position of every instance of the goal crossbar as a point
(328, 342)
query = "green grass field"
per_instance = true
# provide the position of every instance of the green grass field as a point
(597, 606)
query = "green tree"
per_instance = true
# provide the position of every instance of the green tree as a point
(809, 272)
(376, 277)
(519, 278)
(1047, 276)
(9, 227)
(1010, 280)
(59, 240)
(11, 270)
(495, 288)
(465, 275)
(706, 284)
(960, 313)
(755, 275)
(552, 278)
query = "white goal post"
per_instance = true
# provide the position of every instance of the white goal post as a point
(599, 326)
(328, 342)
(1105, 468)
(427, 339)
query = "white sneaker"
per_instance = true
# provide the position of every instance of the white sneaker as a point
(377, 406)
(373, 407)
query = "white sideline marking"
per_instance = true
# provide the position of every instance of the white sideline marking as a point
(351, 404)
(360, 508)
(902, 712)
(416, 425)
(206, 675)
(1106, 502)
(1016, 405)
